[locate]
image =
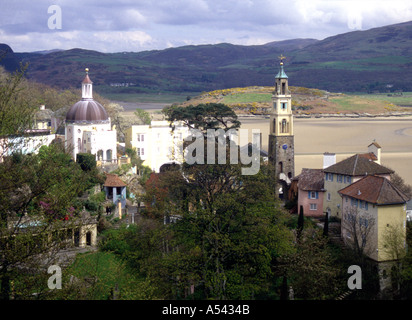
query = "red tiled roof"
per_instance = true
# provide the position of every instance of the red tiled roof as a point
(113, 181)
(369, 156)
(357, 165)
(376, 190)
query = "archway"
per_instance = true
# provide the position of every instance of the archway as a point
(99, 155)
(88, 238)
(109, 155)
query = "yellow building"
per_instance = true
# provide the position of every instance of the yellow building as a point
(372, 207)
(157, 144)
(346, 172)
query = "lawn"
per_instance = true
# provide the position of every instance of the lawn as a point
(247, 98)
(101, 272)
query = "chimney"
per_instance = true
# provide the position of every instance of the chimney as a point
(328, 159)
(375, 148)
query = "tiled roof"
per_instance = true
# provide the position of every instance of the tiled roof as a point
(375, 144)
(358, 165)
(376, 190)
(113, 181)
(311, 180)
(369, 156)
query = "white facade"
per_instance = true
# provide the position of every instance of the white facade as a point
(156, 144)
(88, 127)
(97, 139)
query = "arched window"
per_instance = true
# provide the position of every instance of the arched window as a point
(284, 126)
(109, 155)
(280, 166)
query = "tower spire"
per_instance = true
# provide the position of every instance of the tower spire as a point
(281, 74)
(87, 86)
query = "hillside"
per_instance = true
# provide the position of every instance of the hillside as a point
(306, 102)
(375, 60)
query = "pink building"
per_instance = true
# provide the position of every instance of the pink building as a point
(310, 188)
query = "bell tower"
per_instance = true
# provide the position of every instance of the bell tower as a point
(281, 139)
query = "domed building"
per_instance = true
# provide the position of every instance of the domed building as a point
(88, 127)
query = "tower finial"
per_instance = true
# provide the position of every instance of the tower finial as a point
(87, 70)
(281, 58)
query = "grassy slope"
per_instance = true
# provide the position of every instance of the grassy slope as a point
(306, 101)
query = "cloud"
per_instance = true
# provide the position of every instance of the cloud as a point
(127, 25)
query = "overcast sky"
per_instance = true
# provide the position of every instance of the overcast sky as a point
(137, 25)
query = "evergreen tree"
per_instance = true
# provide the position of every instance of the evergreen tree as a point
(301, 221)
(326, 225)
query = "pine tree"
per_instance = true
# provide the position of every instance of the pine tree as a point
(326, 225)
(300, 221)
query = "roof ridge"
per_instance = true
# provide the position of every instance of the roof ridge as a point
(399, 192)
(380, 189)
(356, 163)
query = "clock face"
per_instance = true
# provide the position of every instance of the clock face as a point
(285, 146)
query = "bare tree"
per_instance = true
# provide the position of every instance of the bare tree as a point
(358, 228)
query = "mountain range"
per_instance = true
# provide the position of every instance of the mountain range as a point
(378, 59)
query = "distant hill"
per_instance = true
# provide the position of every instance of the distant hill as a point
(7, 58)
(374, 60)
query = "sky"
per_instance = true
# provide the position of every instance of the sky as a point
(140, 25)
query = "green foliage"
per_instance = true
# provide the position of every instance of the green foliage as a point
(204, 116)
(143, 116)
(86, 161)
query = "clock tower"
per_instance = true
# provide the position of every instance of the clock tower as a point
(281, 140)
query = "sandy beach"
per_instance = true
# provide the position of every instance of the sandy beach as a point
(342, 136)
(345, 137)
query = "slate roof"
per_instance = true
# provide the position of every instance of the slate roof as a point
(358, 165)
(113, 180)
(311, 180)
(376, 190)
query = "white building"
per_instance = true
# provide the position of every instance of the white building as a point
(26, 144)
(88, 127)
(157, 144)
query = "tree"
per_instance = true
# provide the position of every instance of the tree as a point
(229, 224)
(400, 183)
(310, 267)
(203, 116)
(360, 228)
(143, 116)
(37, 197)
(326, 225)
(301, 222)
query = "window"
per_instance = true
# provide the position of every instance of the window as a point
(354, 202)
(329, 176)
(284, 126)
(140, 137)
(284, 105)
(142, 151)
(328, 196)
(339, 178)
(348, 179)
(313, 206)
(313, 195)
